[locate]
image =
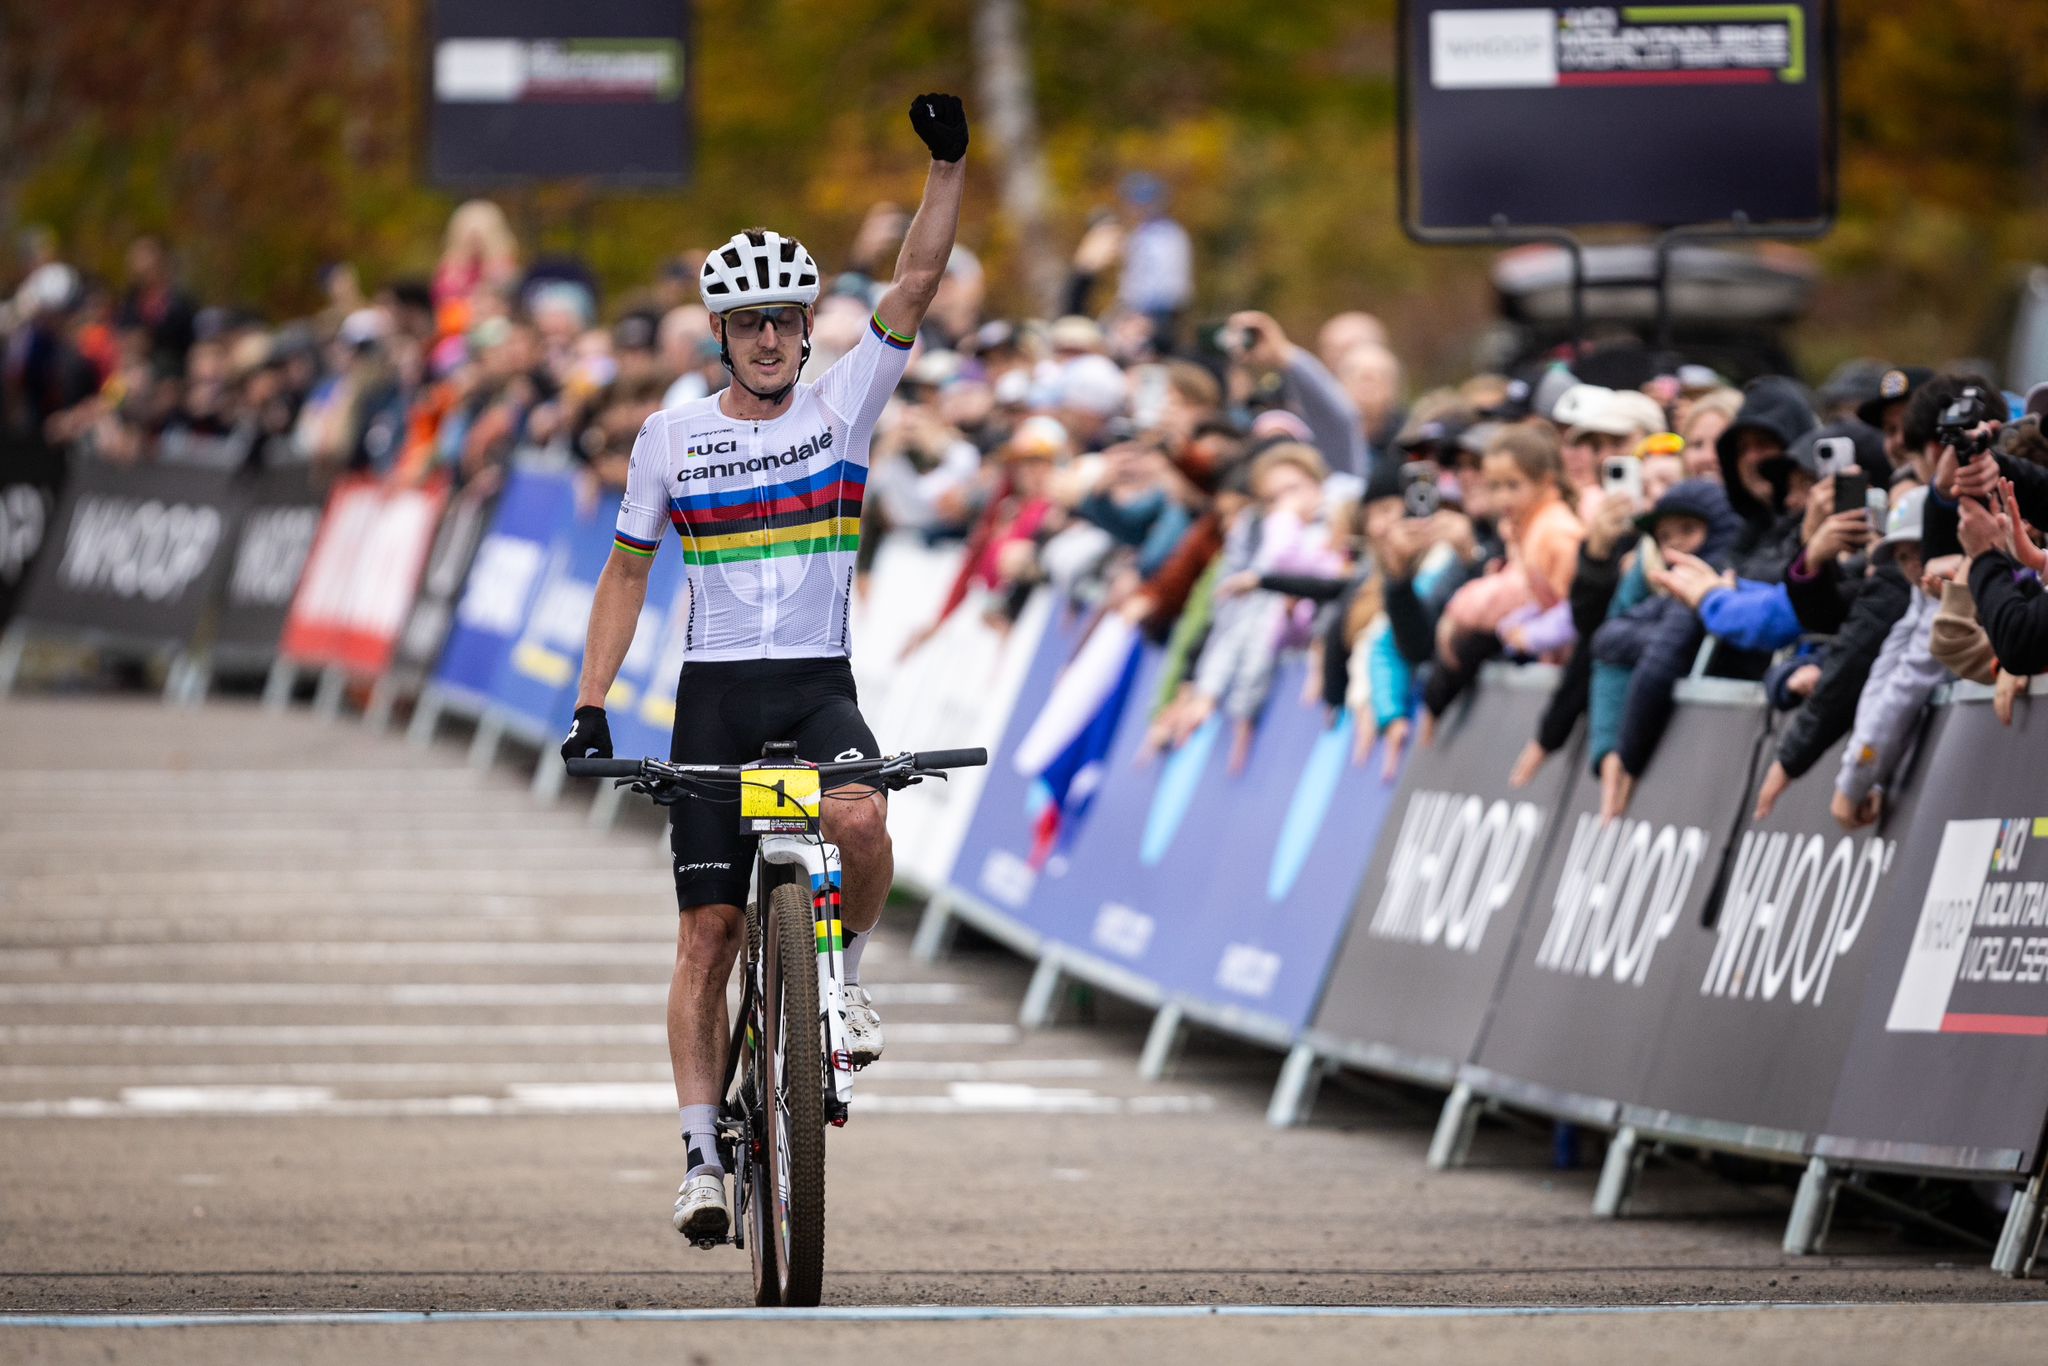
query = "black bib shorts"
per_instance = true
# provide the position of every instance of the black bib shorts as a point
(726, 710)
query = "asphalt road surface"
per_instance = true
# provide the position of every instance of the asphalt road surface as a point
(298, 1019)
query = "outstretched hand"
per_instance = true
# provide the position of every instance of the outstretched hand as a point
(941, 121)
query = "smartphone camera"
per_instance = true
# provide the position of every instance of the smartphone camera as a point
(1852, 492)
(1622, 474)
(1420, 496)
(1833, 454)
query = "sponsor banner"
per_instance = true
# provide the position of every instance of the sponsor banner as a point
(1444, 893)
(134, 551)
(1948, 1065)
(1266, 862)
(955, 692)
(463, 523)
(280, 519)
(642, 703)
(358, 586)
(1702, 111)
(995, 864)
(1765, 986)
(1226, 891)
(504, 573)
(31, 475)
(1601, 957)
(534, 687)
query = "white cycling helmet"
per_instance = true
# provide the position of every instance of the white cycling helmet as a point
(758, 267)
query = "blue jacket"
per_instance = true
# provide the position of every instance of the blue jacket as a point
(1645, 646)
(1751, 616)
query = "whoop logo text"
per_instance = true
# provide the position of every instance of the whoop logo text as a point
(150, 550)
(1457, 861)
(1795, 906)
(1623, 887)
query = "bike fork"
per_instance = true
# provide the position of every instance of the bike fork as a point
(831, 988)
(819, 862)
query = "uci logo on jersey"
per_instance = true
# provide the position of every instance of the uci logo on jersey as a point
(726, 447)
(795, 455)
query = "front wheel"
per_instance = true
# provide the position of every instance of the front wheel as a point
(795, 1111)
(759, 1203)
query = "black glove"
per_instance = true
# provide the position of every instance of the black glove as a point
(942, 123)
(590, 735)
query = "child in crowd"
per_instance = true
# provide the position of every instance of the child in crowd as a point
(1650, 637)
(1283, 531)
(1525, 488)
(1905, 673)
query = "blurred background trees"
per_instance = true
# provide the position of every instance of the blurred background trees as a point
(268, 138)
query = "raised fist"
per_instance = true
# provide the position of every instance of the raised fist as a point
(942, 123)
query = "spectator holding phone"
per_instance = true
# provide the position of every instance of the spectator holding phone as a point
(1903, 676)
(2006, 566)
(1650, 637)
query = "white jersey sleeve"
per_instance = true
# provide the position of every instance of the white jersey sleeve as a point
(857, 387)
(643, 513)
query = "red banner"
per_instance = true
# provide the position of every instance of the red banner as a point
(363, 575)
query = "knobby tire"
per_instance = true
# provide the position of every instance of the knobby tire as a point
(794, 1027)
(760, 1212)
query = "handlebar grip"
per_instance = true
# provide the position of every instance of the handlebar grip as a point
(952, 758)
(603, 768)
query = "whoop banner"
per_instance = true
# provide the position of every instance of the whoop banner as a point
(1443, 895)
(31, 474)
(135, 551)
(1597, 966)
(274, 539)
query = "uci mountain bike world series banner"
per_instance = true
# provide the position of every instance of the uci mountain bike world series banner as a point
(1578, 115)
(596, 92)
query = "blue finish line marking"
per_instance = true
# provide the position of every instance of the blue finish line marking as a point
(925, 1313)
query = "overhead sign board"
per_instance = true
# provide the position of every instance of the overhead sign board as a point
(597, 91)
(1518, 117)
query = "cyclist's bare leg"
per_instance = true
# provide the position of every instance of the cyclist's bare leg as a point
(857, 820)
(707, 942)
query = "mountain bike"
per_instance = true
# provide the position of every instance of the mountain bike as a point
(788, 1071)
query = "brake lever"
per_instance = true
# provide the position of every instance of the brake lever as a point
(655, 790)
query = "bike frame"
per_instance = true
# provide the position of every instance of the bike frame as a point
(817, 862)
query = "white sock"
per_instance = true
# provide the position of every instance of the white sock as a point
(853, 942)
(700, 1139)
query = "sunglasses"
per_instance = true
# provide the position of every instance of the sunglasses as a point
(748, 322)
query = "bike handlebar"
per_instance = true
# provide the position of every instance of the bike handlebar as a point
(604, 768)
(949, 758)
(926, 762)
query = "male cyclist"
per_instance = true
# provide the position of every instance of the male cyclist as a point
(763, 483)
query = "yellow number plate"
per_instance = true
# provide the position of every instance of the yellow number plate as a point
(779, 794)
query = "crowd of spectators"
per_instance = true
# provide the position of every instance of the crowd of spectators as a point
(1232, 493)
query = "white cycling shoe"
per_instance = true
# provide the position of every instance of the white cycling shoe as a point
(863, 1027)
(701, 1215)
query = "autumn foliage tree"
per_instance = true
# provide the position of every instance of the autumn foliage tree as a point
(268, 137)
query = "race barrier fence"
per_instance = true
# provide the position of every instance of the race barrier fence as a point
(195, 562)
(1683, 976)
